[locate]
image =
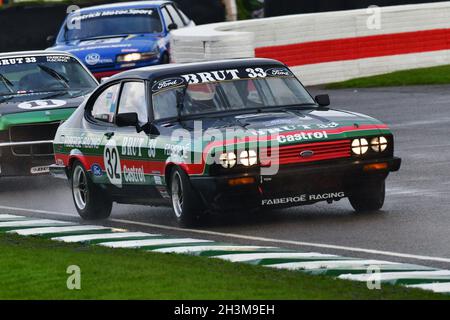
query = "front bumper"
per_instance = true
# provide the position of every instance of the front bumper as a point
(291, 186)
(23, 165)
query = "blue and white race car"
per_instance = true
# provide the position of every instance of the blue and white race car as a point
(116, 37)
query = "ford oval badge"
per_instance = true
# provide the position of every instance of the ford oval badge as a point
(306, 154)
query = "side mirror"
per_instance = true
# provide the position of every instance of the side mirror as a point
(127, 119)
(172, 26)
(51, 40)
(323, 100)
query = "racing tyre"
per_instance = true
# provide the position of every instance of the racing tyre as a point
(91, 202)
(186, 204)
(369, 196)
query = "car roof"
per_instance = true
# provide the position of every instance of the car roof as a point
(32, 53)
(160, 71)
(120, 5)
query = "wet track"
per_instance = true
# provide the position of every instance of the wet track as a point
(415, 219)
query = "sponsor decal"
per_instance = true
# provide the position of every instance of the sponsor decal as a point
(302, 198)
(101, 41)
(85, 140)
(41, 104)
(109, 13)
(40, 170)
(131, 146)
(134, 174)
(291, 127)
(36, 59)
(167, 84)
(278, 72)
(219, 75)
(96, 47)
(112, 164)
(302, 136)
(232, 74)
(96, 170)
(92, 59)
(176, 150)
(61, 59)
(20, 60)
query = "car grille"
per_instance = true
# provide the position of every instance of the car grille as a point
(34, 132)
(313, 152)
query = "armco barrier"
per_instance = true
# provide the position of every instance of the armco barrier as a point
(330, 46)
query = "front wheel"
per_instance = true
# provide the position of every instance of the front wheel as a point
(91, 202)
(186, 204)
(369, 196)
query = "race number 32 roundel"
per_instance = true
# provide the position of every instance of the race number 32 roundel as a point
(111, 160)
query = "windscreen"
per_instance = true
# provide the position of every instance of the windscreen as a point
(228, 90)
(112, 23)
(33, 74)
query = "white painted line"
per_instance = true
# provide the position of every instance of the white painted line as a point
(438, 287)
(246, 237)
(275, 255)
(193, 249)
(104, 236)
(150, 242)
(4, 217)
(47, 230)
(388, 276)
(31, 223)
(331, 264)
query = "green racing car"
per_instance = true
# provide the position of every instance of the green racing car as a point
(38, 90)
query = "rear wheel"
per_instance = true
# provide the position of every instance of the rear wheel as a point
(369, 196)
(186, 204)
(91, 202)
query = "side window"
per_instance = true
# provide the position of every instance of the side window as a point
(175, 16)
(104, 107)
(165, 104)
(132, 99)
(167, 18)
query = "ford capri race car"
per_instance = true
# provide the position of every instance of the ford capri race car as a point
(217, 136)
(115, 37)
(38, 90)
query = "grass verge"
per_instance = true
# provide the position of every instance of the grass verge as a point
(423, 76)
(35, 268)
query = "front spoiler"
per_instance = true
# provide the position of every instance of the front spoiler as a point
(308, 179)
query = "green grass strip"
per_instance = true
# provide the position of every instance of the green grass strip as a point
(35, 268)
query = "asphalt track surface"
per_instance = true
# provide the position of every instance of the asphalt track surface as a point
(414, 225)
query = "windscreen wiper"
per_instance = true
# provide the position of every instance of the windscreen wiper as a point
(308, 105)
(7, 82)
(55, 74)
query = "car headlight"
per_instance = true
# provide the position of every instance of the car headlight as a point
(360, 146)
(228, 160)
(379, 144)
(136, 56)
(248, 158)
